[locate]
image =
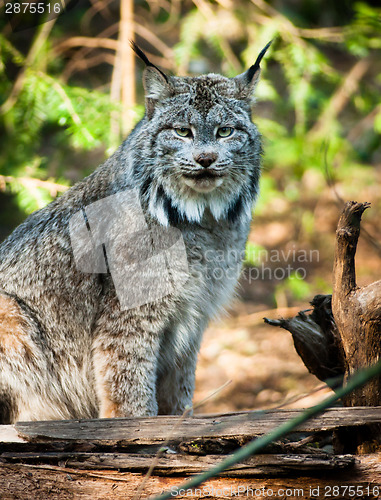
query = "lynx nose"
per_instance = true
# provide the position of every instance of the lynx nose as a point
(206, 159)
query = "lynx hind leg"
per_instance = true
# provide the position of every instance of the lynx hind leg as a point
(14, 350)
(22, 365)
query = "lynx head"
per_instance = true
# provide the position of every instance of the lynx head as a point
(197, 149)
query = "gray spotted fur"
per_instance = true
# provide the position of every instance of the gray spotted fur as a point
(76, 353)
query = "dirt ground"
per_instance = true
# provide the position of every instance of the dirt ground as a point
(260, 363)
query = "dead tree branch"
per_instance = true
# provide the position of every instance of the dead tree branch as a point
(317, 340)
(357, 311)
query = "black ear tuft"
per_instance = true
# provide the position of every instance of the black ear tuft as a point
(138, 51)
(255, 67)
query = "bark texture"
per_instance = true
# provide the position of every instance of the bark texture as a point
(357, 310)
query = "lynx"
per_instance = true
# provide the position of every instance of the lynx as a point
(106, 292)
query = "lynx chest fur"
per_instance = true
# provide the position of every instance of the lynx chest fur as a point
(106, 292)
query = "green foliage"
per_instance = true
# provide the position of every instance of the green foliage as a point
(296, 286)
(268, 193)
(72, 118)
(377, 122)
(363, 34)
(54, 118)
(253, 254)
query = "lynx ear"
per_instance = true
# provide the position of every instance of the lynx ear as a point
(247, 81)
(156, 83)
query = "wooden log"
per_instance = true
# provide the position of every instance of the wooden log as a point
(357, 313)
(176, 464)
(109, 457)
(127, 432)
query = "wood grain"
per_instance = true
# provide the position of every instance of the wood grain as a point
(150, 430)
(108, 458)
(169, 464)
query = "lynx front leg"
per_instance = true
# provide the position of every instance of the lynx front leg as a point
(125, 363)
(175, 386)
(177, 364)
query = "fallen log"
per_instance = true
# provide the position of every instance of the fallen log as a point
(133, 432)
(109, 457)
(176, 464)
(59, 483)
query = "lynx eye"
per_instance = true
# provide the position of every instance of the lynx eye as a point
(183, 132)
(225, 131)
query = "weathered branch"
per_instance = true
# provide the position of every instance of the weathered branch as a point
(174, 463)
(347, 235)
(125, 433)
(317, 340)
(357, 311)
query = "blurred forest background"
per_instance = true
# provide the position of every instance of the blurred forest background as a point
(70, 90)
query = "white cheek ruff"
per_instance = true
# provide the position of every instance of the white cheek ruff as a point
(193, 210)
(218, 207)
(160, 214)
(172, 210)
(156, 209)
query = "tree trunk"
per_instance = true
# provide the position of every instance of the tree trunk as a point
(357, 311)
